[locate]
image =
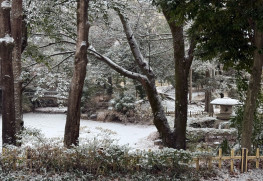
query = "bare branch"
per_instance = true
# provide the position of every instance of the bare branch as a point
(68, 42)
(61, 53)
(161, 52)
(42, 34)
(62, 61)
(117, 68)
(24, 87)
(139, 59)
(191, 53)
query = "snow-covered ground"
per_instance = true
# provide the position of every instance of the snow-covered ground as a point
(225, 175)
(52, 126)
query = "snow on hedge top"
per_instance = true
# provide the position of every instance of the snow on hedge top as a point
(5, 4)
(7, 39)
(225, 101)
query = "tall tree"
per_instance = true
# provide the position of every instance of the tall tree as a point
(80, 63)
(6, 48)
(182, 62)
(232, 32)
(254, 88)
(16, 27)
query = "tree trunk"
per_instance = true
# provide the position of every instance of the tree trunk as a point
(208, 95)
(182, 67)
(73, 114)
(16, 23)
(160, 120)
(253, 92)
(6, 47)
(159, 117)
(190, 85)
(181, 91)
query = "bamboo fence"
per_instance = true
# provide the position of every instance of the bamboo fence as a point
(190, 113)
(220, 158)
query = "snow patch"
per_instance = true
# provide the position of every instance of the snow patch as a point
(52, 126)
(83, 43)
(91, 48)
(7, 39)
(6, 4)
(51, 109)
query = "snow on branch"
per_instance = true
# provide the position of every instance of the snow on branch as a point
(6, 4)
(116, 67)
(144, 66)
(7, 39)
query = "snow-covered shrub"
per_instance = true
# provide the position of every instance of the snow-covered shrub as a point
(93, 159)
(124, 103)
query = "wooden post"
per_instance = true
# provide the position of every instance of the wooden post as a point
(138, 160)
(197, 164)
(209, 163)
(14, 160)
(190, 114)
(232, 160)
(220, 158)
(257, 158)
(244, 154)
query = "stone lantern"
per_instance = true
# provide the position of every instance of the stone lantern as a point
(226, 107)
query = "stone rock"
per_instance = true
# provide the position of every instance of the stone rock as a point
(93, 116)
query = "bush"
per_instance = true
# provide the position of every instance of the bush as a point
(124, 103)
(96, 158)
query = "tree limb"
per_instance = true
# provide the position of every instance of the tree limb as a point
(139, 59)
(191, 53)
(117, 68)
(61, 53)
(72, 43)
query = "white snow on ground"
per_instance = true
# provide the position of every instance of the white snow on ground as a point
(225, 175)
(52, 125)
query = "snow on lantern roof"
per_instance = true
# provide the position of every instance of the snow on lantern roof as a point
(225, 101)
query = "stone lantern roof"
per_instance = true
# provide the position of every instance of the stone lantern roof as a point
(225, 101)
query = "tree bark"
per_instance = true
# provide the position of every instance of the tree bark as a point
(208, 95)
(6, 47)
(16, 24)
(80, 63)
(182, 67)
(190, 85)
(159, 117)
(253, 92)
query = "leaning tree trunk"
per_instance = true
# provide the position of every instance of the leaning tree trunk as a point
(253, 92)
(160, 120)
(17, 17)
(159, 117)
(6, 47)
(73, 115)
